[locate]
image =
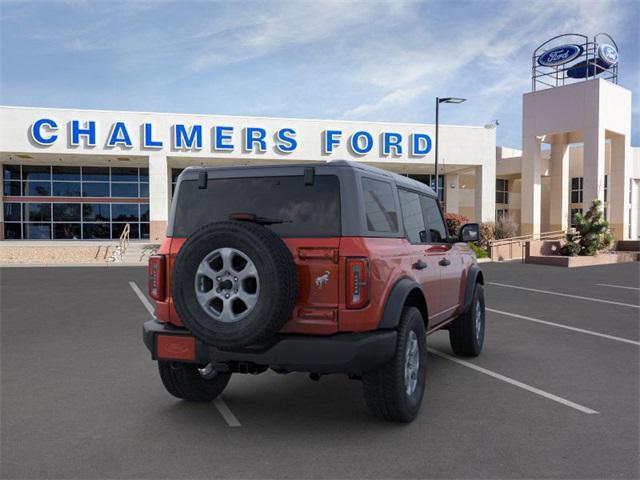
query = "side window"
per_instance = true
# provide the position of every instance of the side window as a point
(380, 206)
(412, 216)
(433, 219)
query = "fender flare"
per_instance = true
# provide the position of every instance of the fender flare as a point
(396, 301)
(474, 276)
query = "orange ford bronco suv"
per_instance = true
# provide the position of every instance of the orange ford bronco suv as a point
(323, 268)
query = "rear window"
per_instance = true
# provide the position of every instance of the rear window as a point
(307, 210)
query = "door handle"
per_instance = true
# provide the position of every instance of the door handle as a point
(419, 265)
(444, 262)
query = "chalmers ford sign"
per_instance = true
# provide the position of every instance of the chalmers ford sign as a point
(222, 138)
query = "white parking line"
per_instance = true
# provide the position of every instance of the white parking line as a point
(222, 407)
(143, 298)
(616, 286)
(226, 413)
(552, 324)
(516, 383)
(590, 299)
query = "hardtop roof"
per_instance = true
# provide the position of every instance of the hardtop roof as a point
(400, 180)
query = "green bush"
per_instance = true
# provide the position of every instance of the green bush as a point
(591, 235)
(479, 251)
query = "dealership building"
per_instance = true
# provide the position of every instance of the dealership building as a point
(85, 174)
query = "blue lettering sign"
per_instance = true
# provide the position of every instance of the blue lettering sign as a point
(89, 131)
(222, 137)
(119, 136)
(186, 139)
(147, 138)
(331, 140)
(255, 136)
(36, 131)
(420, 144)
(391, 140)
(286, 141)
(357, 146)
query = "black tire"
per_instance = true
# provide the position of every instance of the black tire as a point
(385, 389)
(183, 380)
(278, 288)
(465, 334)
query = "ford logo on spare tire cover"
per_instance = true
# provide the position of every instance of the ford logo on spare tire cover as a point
(608, 54)
(560, 55)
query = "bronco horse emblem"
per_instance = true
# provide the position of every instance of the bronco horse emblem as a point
(322, 280)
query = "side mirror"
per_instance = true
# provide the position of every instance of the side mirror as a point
(469, 232)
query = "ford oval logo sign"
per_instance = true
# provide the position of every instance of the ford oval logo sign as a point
(560, 55)
(608, 54)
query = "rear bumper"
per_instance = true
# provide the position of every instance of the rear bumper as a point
(351, 353)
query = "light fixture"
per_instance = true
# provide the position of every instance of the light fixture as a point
(451, 100)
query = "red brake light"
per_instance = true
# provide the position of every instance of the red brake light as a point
(157, 277)
(357, 282)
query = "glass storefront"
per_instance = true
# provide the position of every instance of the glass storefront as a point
(431, 181)
(115, 196)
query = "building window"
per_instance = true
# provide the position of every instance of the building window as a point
(573, 212)
(63, 181)
(431, 181)
(502, 190)
(502, 213)
(606, 187)
(175, 173)
(576, 190)
(64, 215)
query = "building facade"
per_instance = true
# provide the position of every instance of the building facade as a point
(85, 174)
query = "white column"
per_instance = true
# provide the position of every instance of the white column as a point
(618, 188)
(158, 196)
(485, 191)
(593, 167)
(531, 189)
(452, 192)
(559, 205)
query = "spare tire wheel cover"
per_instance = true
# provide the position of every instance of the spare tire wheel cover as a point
(234, 284)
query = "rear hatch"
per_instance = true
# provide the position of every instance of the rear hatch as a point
(305, 210)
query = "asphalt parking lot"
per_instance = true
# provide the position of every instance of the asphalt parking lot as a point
(555, 393)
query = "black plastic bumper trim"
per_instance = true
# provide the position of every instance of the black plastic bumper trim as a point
(351, 353)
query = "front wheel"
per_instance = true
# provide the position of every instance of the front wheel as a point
(394, 392)
(193, 383)
(466, 333)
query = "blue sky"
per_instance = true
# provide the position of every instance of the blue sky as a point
(368, 60)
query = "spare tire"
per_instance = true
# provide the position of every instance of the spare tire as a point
(234, 284)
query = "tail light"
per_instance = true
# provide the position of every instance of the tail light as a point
(157, 271)
(357, 282)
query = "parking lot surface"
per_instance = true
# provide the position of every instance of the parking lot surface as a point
(554, 394)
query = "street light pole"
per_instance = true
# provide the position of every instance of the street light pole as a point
(438, 102)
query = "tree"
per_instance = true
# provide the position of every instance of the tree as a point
(591, 235)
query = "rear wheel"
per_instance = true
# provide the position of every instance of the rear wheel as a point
(466, 333)
(394, 392)
(193, 383)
